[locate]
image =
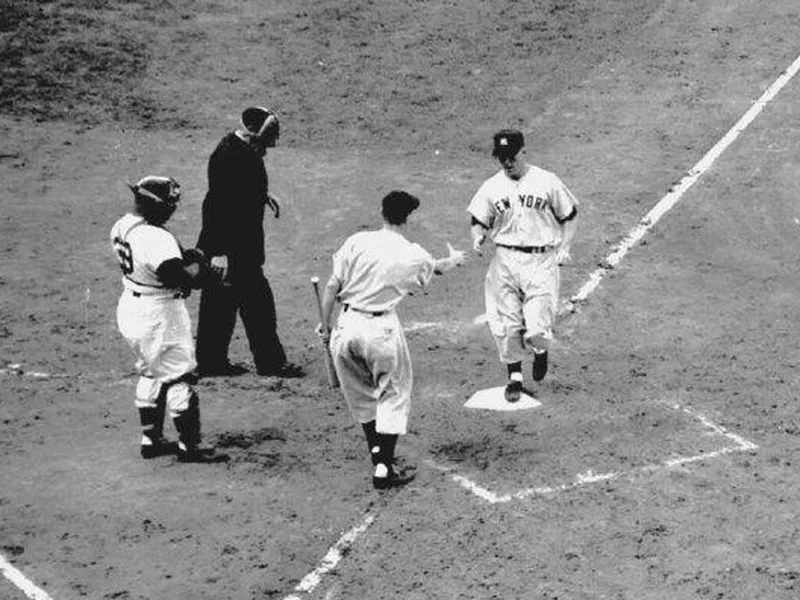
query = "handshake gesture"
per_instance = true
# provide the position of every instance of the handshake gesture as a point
(459, 257)
(454, 258)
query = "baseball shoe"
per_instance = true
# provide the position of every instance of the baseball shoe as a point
(224, 370)
(387, 477)
(287, 370)
(161, 447)
(201, 455)
(539, 369)
(513, 391)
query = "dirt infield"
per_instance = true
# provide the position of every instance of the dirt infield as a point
(633, 481)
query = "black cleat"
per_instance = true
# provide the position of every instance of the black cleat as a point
(201, 455)
(287, 370)
(158, 448)
(392, 479)
(539, 369)
(224, 370)
(513, 391)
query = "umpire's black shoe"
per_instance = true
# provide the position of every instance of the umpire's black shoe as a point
(287, 370)
(513, 391)
(223, 370)
(201, 455)
(539, 369)
(392, 479)
(158, 448)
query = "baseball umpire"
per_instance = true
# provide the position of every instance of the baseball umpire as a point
(529, 214)
(157, 276)
(232, 236)
(372, 272)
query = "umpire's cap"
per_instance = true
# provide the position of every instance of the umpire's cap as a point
(261, 123)
(397, 205)
(507, 142)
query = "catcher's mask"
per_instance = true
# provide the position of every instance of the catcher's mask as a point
(261, 126)
(156, 198)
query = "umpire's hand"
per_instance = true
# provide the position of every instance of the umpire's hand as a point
(272, 202)
(219, 264)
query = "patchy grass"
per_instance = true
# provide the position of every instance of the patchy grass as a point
(77, 60)
(406, 74)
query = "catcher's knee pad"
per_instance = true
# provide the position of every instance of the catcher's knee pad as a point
(148, 391)
(180, 394)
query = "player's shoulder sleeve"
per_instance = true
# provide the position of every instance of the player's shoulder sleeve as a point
(114, 233)
(342, 258)
(157, 244)
(481, 207)
(423, 263)
(563, 201)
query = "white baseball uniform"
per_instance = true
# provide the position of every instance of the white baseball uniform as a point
(524, 219)
(376, 270)
(152, 318)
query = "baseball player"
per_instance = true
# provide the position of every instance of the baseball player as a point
(152, 317)
(529, 214)
(372, 272)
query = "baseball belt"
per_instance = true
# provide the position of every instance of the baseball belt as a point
(374, 313)
(528, 249)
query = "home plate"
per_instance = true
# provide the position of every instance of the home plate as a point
(494, 399)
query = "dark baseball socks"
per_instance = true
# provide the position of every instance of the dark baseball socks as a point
(382, 452)
(513, 391)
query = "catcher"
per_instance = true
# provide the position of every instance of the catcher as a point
(157, 275)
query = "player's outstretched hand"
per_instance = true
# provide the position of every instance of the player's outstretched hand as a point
(459, 257)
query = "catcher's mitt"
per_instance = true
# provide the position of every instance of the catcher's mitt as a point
(199, 269)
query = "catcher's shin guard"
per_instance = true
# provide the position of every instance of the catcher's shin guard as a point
(188, 426)
(153, 443)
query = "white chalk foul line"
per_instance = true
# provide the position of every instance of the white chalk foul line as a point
(331, 559)
(675, 193)
(23, 583)
(582, 479)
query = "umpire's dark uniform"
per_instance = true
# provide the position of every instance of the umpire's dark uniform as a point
(233, 215)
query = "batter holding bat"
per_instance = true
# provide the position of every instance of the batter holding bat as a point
(372, 272)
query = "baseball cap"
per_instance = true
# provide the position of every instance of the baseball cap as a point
(507, 142)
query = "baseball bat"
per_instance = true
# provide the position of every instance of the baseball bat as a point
(333, 380)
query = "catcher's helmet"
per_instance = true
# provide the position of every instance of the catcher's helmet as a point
(156, 197)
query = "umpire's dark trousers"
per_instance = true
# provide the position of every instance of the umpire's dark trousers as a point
(248, 293)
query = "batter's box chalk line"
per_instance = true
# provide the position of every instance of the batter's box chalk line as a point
(336, 552)
(16, 369)
(738, 444)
